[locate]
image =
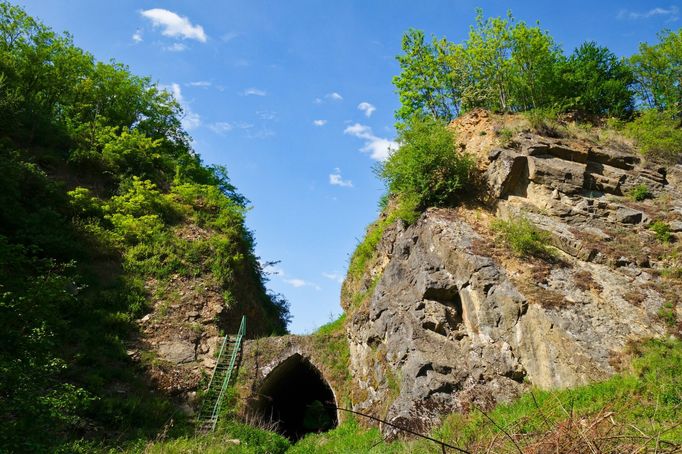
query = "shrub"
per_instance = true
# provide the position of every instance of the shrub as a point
(426, 170)
(544, 121)
(639, 193)
(523, 237)
(662, 231)
(657, 133)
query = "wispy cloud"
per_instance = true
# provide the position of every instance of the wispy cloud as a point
(221, 127)
(672, 12)
(378, 148)
(200, 84)
(176, 47)
(137, 36)
(367, 108)
(319, 122)
(293, 281)
(336, 277)
(335, 179)
(191, 119)
(229, 36)
(174, 25)
(334, 96)
(267, 115)
(254, 92)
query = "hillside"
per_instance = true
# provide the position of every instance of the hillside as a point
(518, 292)
(122, 256)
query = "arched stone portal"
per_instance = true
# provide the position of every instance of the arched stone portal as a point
(296, 396)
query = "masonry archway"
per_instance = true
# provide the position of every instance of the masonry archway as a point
(296, 397)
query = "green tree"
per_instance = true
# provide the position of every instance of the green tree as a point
(422, 82)
(658, 72)
(597, 83)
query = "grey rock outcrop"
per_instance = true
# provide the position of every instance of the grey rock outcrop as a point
(449, 326)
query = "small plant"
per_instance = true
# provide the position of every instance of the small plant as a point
(639, 193)
(544, 121)
(505, 136)
(657, 133)
(523, 237)
(662, 231)
(668, 314)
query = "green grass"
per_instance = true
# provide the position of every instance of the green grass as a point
(523, 237)
(639, 193)
(662, 231)
(636, 409)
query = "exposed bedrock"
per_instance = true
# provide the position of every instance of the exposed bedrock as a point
(450, 326)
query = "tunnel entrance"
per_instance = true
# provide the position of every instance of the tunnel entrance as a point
(296, 397)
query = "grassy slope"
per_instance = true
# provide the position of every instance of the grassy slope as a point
(637, 409)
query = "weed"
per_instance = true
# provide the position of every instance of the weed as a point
(662, 231)
(639, 193)
(523, 237)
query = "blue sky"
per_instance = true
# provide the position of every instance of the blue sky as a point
(295, 98)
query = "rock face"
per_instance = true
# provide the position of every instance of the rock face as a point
(456, 321)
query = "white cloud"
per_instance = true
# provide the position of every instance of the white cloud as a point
(334, 96)
(274, 270)
(672, 11)
(367, 108)
(174, 25)
(191, 119)
(176, 47)
(200, 84)
(254, 92)
(378, 148)
(221, 127)
(335, 179)
(267, 115)
(319, 122)
(336, 277)
(229, 36)
(295, 282)
(262, 133)
(317, 101)
(299, 283)
(137, 36)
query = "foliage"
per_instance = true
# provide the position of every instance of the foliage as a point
(509, 66)
(662, 231)
(544, 121)
(657, 133)
(668, 313)
(523, 237)
(503, 66)
(98, 177)
(639, 193)
(596, 83)
(426, 170)
(658, 71)
(252, 440)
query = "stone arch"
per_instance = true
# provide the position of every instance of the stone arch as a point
(297, 398)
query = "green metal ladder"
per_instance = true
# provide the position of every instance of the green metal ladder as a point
(226, 363)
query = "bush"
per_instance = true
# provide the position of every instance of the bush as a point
(639, 193)
(426, 170)
(523, 237)
(662, 231)
(544, 121)
(657, 133)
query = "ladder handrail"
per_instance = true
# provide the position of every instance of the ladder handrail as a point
(213, 419)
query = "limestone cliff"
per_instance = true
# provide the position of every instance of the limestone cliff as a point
(451, 319)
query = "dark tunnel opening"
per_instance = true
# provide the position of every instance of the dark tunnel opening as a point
(297, 398)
